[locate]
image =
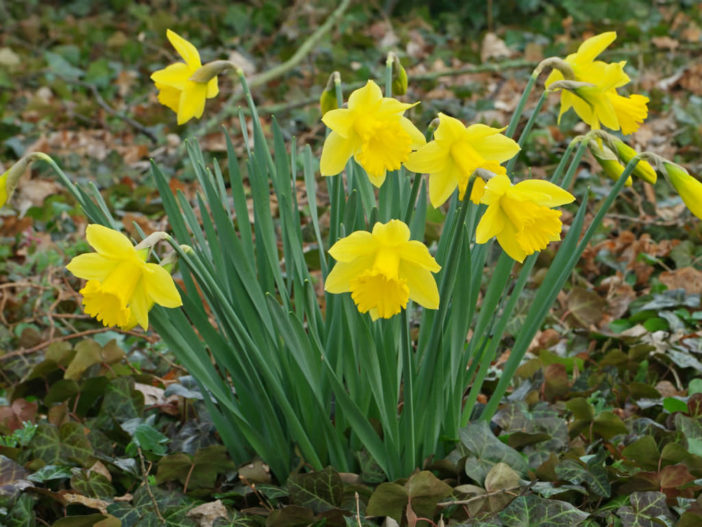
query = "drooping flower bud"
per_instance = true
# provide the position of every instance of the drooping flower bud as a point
(643, 169)
(609, 162)
(689, 188)
(10, 178)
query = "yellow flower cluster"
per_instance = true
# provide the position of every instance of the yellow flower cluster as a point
(383, 269)
(593, 94)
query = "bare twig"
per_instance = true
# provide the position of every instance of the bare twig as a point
(277, 71)
(80, 334)
(497, 492)
(145, 482)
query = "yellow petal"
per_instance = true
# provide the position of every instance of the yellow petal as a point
(355, 245)
(417, 254)
(185, 49)
(340, 121)
(495, 188)
(140, 307)
(508, 241)
(450, 129)
(491, 224)
(159, 286)
(541, 192)
(92, 266)
(593, 46)
(339, 278)
(496, 147)
(212, 88)
(478, 190)
(554, 76)
(169, 96)
(422, 285)
(176, 75)
(108, 242)
(192, 101)
(394, 232)
(416, 136)
(442, 184)
(335, 154)
(366, 97)
(429, 159)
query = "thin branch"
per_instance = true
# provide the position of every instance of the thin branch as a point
(80, 334)
(277, 71)
(481, 497)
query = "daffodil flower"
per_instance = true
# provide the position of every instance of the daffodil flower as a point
(122, 287)
(689, 188)
(520, 215)
(593, 94)
(383, 270)
(176, 90)
(456, 152)
(372, 130)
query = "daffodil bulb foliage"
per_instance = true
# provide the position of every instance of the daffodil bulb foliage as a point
(521, 216)
(592, 93)
(383, 270)
(373, 130)
(121, 286)
(458, 151)
(176, 89)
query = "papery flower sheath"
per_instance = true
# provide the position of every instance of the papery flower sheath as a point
(456, 152)
(122, 287)
(383, 270)
(689, 188)
(176, 90)
(597, 102)
(373, 130)
(520, 215)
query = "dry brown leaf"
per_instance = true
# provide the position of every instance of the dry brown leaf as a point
(206, 514)
(687, 278)
(665, 42)
(493, 47)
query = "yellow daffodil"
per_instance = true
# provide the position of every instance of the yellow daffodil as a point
(383, 270)
(520, 215)
(456, 152)
(372, 130)
(122, 287)
(593, 94)
(689, 188)
(176, 90)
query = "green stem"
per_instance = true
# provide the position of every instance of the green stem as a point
(514, 121)
(409, 211)
(527, 129)
(408, 391)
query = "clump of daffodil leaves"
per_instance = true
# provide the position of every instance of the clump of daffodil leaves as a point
(367, 344)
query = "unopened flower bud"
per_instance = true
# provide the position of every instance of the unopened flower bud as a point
(689, 188)
(10, 178)
(399, 77)
(609, 162)
(328, 101)
(643, 169)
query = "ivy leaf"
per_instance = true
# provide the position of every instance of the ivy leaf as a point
(648, 509)
(13, 477)
(594, 477)
(56, 446)
(320, 491)
(92, 484)
(485, 450)
(532, 511)
(172, 505)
